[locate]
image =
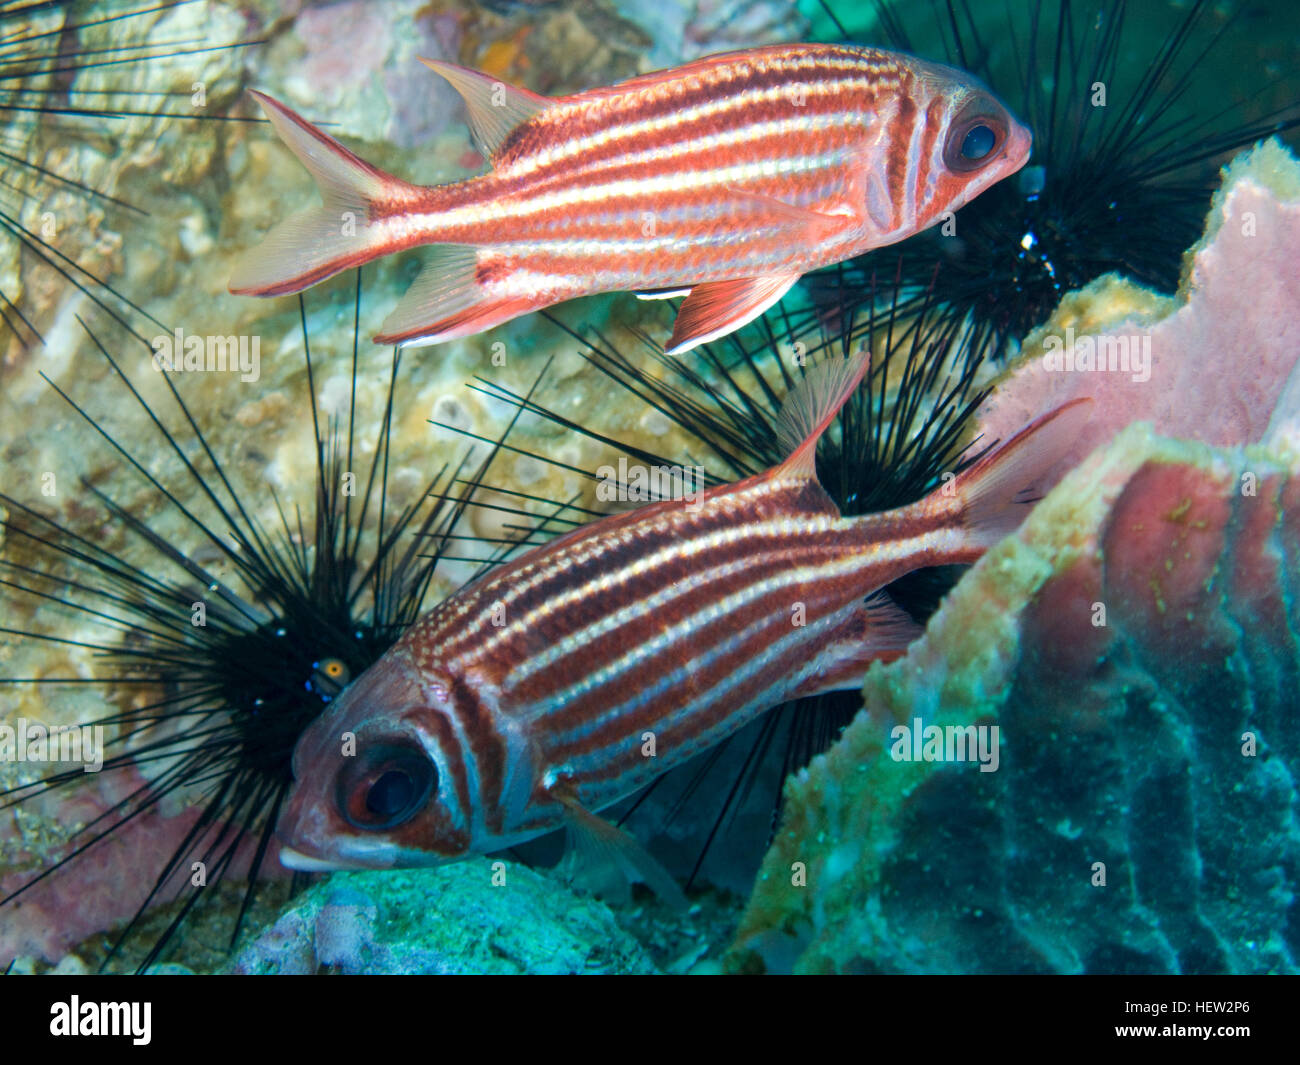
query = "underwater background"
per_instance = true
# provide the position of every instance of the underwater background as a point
(1136, 643)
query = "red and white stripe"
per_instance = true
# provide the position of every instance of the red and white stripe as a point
(681, 624)
(534, 688)
(762, 164)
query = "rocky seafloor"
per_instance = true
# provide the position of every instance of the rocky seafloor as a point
(904, 868)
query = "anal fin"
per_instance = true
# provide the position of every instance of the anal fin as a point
(716, 308)
(447, 301)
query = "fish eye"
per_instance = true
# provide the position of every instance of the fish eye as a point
(390, 794)
(978, 143)
(385, 786)
(974, 138)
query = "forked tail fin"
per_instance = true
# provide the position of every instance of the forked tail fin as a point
(992, 495)
(320, 241)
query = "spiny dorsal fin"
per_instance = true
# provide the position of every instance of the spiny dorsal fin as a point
(810, 408)
(495, 108)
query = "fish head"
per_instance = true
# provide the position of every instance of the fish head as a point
(978, 142)
(374, 776)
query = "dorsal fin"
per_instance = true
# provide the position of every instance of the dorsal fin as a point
(810, 408)
(495, 108)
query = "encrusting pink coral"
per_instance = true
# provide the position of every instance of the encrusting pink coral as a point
(103, 888)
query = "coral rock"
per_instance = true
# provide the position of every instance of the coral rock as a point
(473, 917)
(1135, 643)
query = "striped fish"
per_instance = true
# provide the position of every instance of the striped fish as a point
(574, 675)
(723, 180)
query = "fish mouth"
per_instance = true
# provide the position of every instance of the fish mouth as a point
(378, 856)
(1020, 142)
(305, 863)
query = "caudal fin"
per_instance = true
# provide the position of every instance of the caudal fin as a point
(994, 492)
(320, 241)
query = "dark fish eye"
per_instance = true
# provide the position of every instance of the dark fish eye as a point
(978, 143)
(974, 138)
(385, 786)
(390, 794)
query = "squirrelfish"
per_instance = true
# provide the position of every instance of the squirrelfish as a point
(572, 676)
(723, 180)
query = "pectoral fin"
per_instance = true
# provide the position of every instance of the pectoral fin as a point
(598, 836)
(812, 225)
(716, 308)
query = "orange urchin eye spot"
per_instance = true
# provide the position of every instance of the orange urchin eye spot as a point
(329, 677)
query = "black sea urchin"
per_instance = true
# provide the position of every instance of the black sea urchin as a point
(1133, 108)
(210, 712)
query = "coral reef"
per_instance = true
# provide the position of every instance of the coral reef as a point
(212, 190)
(116, 134)
(1123, 742)
(682, 30)
(62, 910)
(1135, 644)
(473, 917)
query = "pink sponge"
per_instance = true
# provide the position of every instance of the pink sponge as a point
(1223, 354)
